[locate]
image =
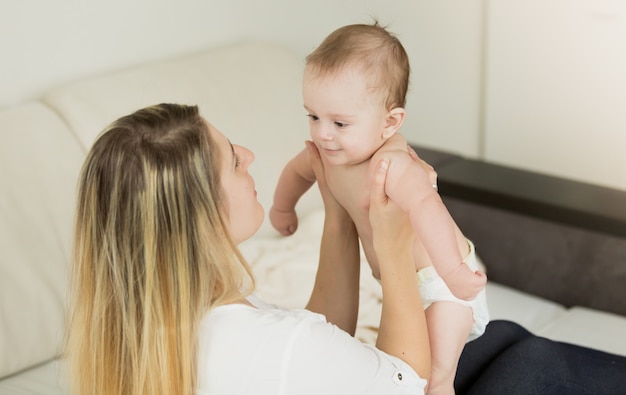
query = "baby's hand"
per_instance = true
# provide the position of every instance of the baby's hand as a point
(285, 222)
(464, 283)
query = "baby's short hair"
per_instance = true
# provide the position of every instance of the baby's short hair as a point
(373, 49)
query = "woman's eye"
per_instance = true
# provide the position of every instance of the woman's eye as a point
(237, 161)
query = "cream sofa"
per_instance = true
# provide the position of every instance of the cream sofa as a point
(251, 92)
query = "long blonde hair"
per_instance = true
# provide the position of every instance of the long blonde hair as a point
(152, 254)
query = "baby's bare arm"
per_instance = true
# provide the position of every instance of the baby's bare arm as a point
(410, 186)
(295, 179)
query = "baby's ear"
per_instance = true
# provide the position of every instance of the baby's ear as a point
(393, 122)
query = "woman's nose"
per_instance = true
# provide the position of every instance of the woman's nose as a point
(247, 155)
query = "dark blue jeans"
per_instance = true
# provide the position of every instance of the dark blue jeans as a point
(507, 359)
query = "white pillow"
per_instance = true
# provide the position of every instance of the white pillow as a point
(39, 164)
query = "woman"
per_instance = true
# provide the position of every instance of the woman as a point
(162, 298)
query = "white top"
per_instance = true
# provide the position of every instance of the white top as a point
(267, 350)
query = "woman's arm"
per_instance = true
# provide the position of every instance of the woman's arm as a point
(403, 331)
(336, 290)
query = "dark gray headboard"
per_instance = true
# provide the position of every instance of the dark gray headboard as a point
(556, 238)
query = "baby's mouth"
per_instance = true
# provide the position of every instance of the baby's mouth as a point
(331, 151)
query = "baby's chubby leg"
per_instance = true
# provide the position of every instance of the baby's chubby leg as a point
(449, 325)
(450, 321)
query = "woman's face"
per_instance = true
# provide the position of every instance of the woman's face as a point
(244, 212)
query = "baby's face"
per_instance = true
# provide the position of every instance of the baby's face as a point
(346, 117)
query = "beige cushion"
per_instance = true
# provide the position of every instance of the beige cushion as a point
(46, 379)
(251, 92)
(39, 163)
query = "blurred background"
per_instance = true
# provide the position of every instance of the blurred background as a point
(535, 84)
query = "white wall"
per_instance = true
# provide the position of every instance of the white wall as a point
(47, 43)
(538, 84)
(556, 87)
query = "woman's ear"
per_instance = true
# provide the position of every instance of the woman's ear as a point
(393, 121)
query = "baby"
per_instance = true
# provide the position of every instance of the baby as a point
(354, 91)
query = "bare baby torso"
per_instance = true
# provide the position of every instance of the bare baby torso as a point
(351, 186)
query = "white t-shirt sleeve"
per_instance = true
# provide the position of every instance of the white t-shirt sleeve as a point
(323, 359)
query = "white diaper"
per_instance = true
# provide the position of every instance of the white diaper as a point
(434, 289)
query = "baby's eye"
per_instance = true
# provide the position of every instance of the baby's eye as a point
(313, 117)
(341, 124)
(237, 161)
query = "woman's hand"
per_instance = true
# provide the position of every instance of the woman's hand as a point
(391, 228)
(430, 171)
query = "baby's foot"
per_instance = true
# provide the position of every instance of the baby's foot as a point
(464, 283)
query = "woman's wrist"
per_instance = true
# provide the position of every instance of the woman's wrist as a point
(336, 289)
